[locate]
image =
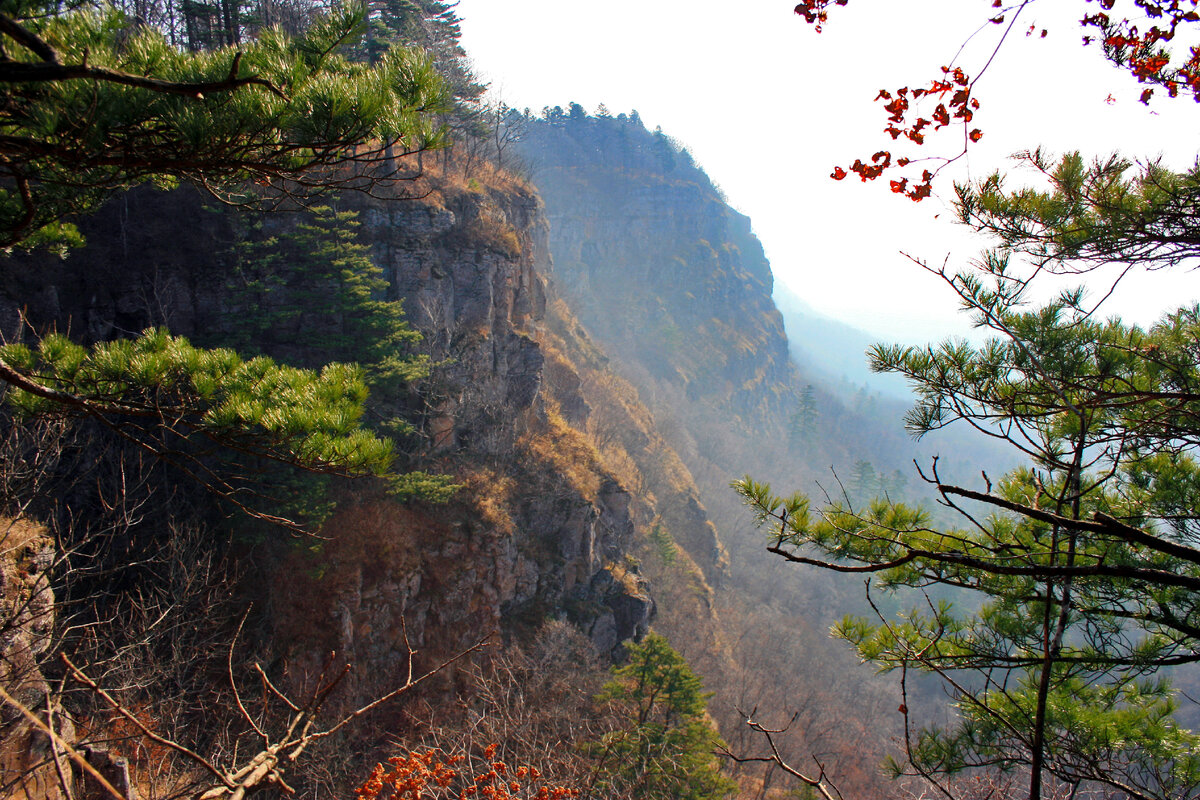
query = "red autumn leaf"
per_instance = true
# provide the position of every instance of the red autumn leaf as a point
(838, 174)
(1138, 50)
(897, 108)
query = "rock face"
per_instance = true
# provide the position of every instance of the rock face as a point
(657, 266)
(469, 267)
(26, 622)
(674, 285)
(527, 538)
(467, 274)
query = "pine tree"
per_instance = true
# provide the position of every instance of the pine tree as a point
(665, 750)
(158, 391)
(1075, 579)
(803, 420)
(1085, 559)
(92, 103)
(314, 293)
(864, 482)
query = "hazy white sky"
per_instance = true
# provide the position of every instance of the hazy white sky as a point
(768, 107)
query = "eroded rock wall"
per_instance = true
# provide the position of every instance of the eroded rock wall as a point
(27, 755)
(527, 538)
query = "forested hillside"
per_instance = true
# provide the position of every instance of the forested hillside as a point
(827, 346)
(529, 482)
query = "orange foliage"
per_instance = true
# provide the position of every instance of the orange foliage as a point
(432, 774)
(1139, 49)
(814, 12)
(1142, 52)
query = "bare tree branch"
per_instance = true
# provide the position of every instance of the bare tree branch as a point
(60, 742)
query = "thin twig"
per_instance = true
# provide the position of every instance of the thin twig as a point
(54, 737)
(149, 734)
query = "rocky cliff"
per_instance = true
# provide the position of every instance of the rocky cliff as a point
(606, 358)
(655, 263)
(520, 408)
(26, 622)
(674, 285)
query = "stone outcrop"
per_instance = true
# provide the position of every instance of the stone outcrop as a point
(657, 266)
(521, 542)
(26, 623)
(470, 267)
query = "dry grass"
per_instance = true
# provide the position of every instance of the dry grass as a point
(491, 228)
(491, 493)
(482, 191)
(445, 174)
(567, 451)
(16, 533)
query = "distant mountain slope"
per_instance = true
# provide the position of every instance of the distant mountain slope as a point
(674, 286)
(835, 348)
(676, 289)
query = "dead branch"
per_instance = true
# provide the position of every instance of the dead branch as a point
(60, 742)
(821, 782)
(279, 750)
(129, 716)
